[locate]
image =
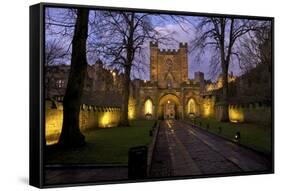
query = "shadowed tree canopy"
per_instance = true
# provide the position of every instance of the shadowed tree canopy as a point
(255, 48)
(54, 52)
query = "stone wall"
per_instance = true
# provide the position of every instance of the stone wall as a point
(132, 108)
(254, 112)
(91, 117)
(208, 106)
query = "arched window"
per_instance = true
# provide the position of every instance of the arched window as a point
(169, 80)
(169, 64)
(169, 83)
(191, 107)
(148, 107)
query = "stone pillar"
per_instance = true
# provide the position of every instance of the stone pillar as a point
(156, 111)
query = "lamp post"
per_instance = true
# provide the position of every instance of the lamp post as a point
(237, 137)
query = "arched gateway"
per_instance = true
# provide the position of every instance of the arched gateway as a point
(168, 107)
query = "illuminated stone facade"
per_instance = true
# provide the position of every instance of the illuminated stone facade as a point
(218, 84)
(90, 117)
(168, 94)
(171, 94)
(168, 68)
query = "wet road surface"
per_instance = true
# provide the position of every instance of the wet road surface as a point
(182, 149)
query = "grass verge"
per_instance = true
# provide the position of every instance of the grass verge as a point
(104, 146)
(255, 136)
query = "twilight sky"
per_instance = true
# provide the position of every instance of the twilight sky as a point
(185, 32)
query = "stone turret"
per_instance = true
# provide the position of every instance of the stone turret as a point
(153, 61)
(183, 49)
(199, 78)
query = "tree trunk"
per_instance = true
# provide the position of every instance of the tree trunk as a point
(129, 59)
(224, 66)
(71, 135)
(224, 115)
(126, 93)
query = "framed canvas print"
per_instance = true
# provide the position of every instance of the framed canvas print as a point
(127, 95)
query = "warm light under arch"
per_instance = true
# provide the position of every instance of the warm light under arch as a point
(191, 106)
(148, 106)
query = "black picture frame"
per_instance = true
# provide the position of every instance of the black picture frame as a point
(37, 92)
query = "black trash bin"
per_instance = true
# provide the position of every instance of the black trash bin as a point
(137, 162)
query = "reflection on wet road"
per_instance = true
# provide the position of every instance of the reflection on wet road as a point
(185, 150)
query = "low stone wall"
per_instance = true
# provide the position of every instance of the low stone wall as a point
(207, 108)
(254, 112)
(91, 117)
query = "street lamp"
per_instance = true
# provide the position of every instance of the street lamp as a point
(237, 136)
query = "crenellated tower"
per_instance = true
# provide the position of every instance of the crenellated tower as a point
(168, 67)
(153, 61)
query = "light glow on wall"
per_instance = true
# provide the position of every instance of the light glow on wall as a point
(208, 107)
(131, 114)
(219, 84)
(53, 124)
(105, 120)
(132, 108)
(88, 119)
(236, 115)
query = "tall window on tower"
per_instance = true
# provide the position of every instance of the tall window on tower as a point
(169, 64)
(169, 80)
(169, 77)
(169, 83)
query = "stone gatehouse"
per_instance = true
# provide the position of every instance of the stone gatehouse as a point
(169, 94)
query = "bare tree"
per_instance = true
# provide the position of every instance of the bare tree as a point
(122, 37)
(60, 23)
(54, 52)
(255, 47)
(71, 135)
(59, 30)
(219, 35)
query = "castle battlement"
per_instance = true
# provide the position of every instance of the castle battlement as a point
(154, 45)
(183, 45)
(168, 51)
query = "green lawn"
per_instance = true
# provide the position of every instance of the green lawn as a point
(105, 146)
(255, 136)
